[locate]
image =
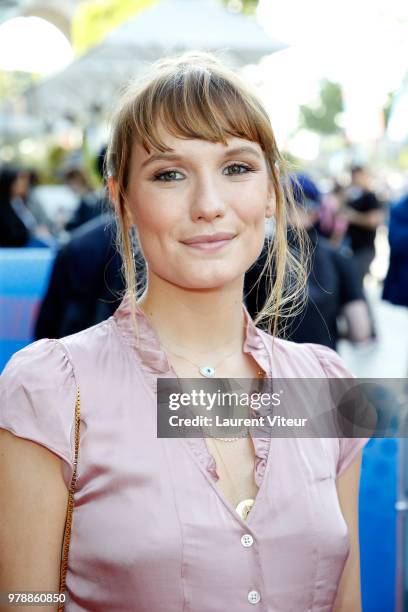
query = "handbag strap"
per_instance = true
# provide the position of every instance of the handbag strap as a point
(70, 506)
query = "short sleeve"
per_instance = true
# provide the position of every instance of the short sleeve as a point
(349, 449)
(37, 399)
(334, 367)
(366, 202)
(372, 202)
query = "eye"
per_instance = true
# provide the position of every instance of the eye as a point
(168, 176)
(237, 169)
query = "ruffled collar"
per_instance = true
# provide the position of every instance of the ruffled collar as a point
(154, 358)
(154, 362)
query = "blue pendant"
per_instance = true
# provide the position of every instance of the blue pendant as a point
(207, 371)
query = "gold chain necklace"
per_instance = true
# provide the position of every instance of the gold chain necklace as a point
(207, 371)
(244, 506)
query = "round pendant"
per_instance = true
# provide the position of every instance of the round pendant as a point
(244, 508)
(207, 371)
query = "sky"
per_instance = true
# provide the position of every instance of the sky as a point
(361, 44)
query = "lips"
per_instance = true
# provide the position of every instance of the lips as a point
(209, 238)
(209, 242)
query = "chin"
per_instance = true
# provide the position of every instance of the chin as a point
(208, 279)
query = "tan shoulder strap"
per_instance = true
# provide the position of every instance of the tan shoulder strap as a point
(70, 506)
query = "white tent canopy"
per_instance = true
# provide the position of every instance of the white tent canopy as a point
(168, 27)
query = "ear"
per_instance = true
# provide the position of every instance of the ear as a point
(113, 188)
(113, 191)
(271, 201)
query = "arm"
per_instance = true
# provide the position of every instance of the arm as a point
(358, 320)
(354, 307)
(33, 502)
(369, 220)
(349, 593)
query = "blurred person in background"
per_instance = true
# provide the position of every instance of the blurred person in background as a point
(332, 220)
(396, 281)
(32, 200)
(333, 290)
(92, 203)
(86, 283)
(18, 225)
(364, 213)
(75, 179)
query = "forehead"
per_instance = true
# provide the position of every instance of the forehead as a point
(195, 147)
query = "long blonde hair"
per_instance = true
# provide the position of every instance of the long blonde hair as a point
(196, 96)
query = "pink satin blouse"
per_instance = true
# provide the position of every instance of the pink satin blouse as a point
(151, 531)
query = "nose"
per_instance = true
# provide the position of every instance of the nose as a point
(207, 200)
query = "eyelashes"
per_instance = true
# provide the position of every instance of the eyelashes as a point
(168, 176)
(234, 169)
(242, 169)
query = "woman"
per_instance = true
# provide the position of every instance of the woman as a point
(163, 524)
(14, 231)
(18, 225)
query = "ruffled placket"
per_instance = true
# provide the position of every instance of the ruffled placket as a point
(155, 364)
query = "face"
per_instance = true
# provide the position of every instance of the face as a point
(200, 209)
(361, 179)
(20, 185)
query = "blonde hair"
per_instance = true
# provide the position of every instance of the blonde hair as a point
(196, 96)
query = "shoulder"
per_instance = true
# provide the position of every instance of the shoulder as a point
(37, 397)
(97, 228)
(317, 361)
(399, 210)
(305, 359)
(52, 364)
(94, 338)
(94, 351)
(94, 239)
(324, 245)
(371, 202)
(339, 257)
(329, 360)
(42, 363)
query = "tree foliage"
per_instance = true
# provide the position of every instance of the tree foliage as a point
(13, 83)
(388, 106)
(322, 116)
(241, 6)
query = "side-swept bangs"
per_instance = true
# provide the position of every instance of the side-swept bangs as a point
(191, 97)
(197, 103)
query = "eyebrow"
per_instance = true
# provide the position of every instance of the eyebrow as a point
(174, 156)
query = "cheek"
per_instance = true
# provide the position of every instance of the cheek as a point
(252, 212)
(156, 222)
(151, 215)
(251, 203)
(252, 195)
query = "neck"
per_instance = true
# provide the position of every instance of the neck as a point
(199, 322)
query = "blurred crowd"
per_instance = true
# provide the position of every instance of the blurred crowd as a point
(86, 283)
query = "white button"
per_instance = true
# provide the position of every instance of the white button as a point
(247, 540)
(254, 597)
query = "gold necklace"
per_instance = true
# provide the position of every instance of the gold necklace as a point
(244, 506)
(260, 374)
(207, 371)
